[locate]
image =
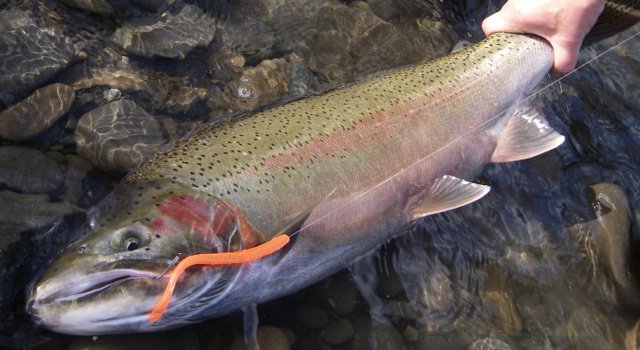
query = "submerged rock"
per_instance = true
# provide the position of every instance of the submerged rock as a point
(29, 56)
(21, 212)
(268, 338)
(489, 343)
(14, 18)
(117, 136)
(100, 7)
(170, 36)
(28, 170)
(36, 113)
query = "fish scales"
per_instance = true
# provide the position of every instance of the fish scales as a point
(278, 162)
(362, 161)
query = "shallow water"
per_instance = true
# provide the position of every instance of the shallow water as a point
(524, 267)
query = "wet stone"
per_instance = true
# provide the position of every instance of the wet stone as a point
(21, 212)
(36, 113)
(27, 170)
(338, 294)
(152, 5)
(84, 77)
(117, 136)
(77, 170)
(170, 36)
(30, 56)
(386, 337)
(268, 337)
(156, 341)
(588, 328)
(311, 317)
(175, 95)
(262, 84)
(632, 338)
(489, 343)
(337, 332)
(100, 7)
(14, 19)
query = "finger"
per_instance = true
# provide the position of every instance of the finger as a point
(564, 58)
(496, 23)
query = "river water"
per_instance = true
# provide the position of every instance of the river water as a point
(547, 260)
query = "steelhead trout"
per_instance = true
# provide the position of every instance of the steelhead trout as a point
(347, 170)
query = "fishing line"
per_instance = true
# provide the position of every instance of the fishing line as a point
(500, 114)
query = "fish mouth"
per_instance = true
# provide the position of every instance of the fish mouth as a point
(62, 290)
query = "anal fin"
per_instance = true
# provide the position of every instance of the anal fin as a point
(446, 193)
(526, 135)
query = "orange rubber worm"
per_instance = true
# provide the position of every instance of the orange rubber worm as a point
(215, 259)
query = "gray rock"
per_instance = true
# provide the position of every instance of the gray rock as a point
(117, 136)
(387, 337)
(100, 7)
(21, 212)
(77, 170)
(156, 341)
(170, 36)
(15, 19)
(311, 317)
(28, 170)
(337, 332)
(588, 328)
(175, 95)
(152, 5)
(268, 337)
(489, 343)
(30, 56)
(36, 113)
(338, 294)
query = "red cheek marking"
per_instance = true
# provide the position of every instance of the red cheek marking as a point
(191, 212)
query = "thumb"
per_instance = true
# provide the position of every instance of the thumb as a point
(495, 23)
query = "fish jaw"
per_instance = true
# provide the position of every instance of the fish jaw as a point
(89, 296)
(98, 286)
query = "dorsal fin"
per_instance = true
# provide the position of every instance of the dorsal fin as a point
(526, 135)
(446, 193)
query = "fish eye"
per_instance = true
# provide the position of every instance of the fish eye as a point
(131, 243)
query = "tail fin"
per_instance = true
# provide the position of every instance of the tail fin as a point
(617, 16)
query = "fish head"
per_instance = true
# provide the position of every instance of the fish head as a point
(110, 278)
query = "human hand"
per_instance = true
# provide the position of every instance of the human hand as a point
(564, 23)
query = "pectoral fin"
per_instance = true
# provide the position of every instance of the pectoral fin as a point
(446, 193)
(526, 135)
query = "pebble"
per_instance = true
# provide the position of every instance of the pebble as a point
(155, 341)
(175, 95)
(387, 337)
(28, 170)
(77, 170)
(152, 5)
(268, 337)
(338, 294)
(588, 328)
(265, 83)
(311, 317)
(170, 36)
(29, 57)
(83, 77)
(22, 212)
(117, 136)
(499, 303)
(337, 332)
(36, 113)
(610, 237)
(14, 19)
(632, 338)
(489, 343)
(100, 7)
